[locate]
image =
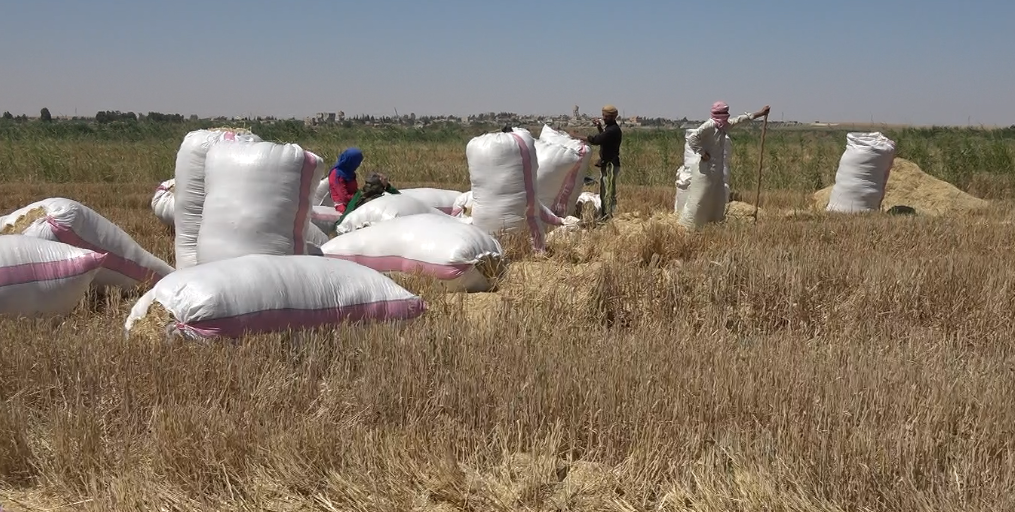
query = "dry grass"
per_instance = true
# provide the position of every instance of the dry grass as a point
(807, 363)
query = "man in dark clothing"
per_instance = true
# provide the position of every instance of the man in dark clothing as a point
(608, 139)
(375, 186)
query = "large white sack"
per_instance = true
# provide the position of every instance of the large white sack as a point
(691, 160)
(502, 170)
(381, 209)
(563, 162)
(324, 217)
(262, 293)
(64, 220)
(322, 195)
(39, 277)
(463, 257)
(257, 200)
(705, 198)
(862, 175)
(164, 202)
(315, 239)
(442, 199)
(190, 189)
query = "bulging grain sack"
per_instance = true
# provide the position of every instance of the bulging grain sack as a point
(441, 199)
(691, 161)
(39, 277)
(463, 257)
(64, 220)
(164, 201)
(257, 200)
(705, 199)
(563, 162)
(863, 173)
(315, 239)
(502, 169)
(189, 190)
(381, 209)
(262, 293)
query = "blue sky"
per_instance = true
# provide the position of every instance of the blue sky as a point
(926, 62)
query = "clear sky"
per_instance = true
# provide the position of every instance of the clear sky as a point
(893, 61)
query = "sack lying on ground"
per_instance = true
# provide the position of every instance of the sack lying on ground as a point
(324, 217)
(462, 256)
(563, 162)
(383, 208)
(189, 188)
(441, 199)
(502, 170)
(39, 277)
(862, 175)
(262, 293)
(64, 220)
(163, 202)
(257, 200)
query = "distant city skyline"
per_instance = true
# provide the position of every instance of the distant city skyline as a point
(888, 61)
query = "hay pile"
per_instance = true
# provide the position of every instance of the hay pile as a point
(908, 185)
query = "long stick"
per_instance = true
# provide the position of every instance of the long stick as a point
(761, 161)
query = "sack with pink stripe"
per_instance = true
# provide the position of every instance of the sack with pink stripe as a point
(164, 202)
(381, 209)
(563, 162)
(262, 293)
(257, 200)
(322, 194)
(461, 256)
(442, 199)
(189, 189)
(39, 277)
(324, 217)
(68, 221)
(502, 170)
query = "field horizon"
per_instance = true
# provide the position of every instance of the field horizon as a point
(810, 362)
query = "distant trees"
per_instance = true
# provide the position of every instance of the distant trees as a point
(45, 116)
(8, 115)
(105, 116)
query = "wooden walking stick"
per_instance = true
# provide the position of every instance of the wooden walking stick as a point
(761, 161)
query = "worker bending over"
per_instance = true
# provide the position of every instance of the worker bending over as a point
(342, 178)
(375, 186)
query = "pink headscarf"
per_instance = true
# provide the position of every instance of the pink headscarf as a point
(721, 114)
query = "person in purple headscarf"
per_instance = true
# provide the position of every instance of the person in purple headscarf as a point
(708, 139)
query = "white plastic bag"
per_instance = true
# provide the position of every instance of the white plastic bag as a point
(590, 198)
(324, 217)
(463, 205)
(39, 277)
(691, 161)
(862, 175)
(261, 293)
(163, 202)
(189, 188)
(502, 169)
(381, 209)
(563, 162)
(64, 220)
(257, 200)
(322, 195)
(463, 257)
(315, 239)
(441, 199)
(706, 197)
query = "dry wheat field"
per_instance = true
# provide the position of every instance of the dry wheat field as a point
(809, 362)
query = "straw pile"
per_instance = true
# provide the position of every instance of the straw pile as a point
(24, 221)
(152, 327)
(908, 185)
